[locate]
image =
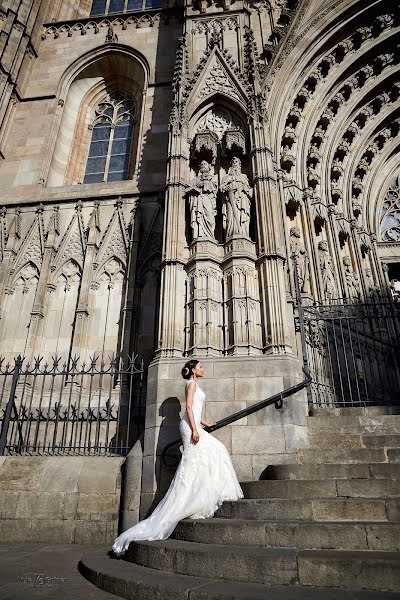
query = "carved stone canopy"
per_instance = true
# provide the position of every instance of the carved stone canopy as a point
(235, 142)
(218, 127)
(293, 195)
(205, 147)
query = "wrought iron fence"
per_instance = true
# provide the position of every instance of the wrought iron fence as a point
(71, 407)
(352, 351)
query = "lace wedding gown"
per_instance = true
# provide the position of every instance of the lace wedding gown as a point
(204, 479)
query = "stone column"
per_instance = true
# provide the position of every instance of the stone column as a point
(271, 249)
(204, 317)
(241, 298)
(128, 307)
(173, 276)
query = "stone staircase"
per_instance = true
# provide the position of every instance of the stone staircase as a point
(327, 526)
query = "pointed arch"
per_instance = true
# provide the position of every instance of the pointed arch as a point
(17, 308)
(108, 69)
(72, 246)
(31, 248)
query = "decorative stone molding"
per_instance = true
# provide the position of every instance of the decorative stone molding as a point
(96, 25)
(215, 24)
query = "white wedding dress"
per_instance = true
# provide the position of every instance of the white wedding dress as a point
(204, 479)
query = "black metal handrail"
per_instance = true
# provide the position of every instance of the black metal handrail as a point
(276, 399)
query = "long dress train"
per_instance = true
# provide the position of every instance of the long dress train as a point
(204, 479)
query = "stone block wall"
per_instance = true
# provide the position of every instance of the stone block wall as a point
(267, 437)
(59, 499)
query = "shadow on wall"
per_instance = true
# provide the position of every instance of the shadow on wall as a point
(169, 431)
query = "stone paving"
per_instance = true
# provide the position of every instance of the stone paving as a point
(30, 571)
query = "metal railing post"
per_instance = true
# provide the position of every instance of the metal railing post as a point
(10, 405)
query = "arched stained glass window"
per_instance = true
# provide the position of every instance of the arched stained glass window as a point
(110, 146)
(109, 7)
(390, 214)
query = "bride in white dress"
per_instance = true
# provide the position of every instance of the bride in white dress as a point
(204, 479)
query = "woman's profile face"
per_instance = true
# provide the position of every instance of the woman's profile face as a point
(198, 370)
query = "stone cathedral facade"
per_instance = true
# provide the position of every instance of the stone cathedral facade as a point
(162, 161)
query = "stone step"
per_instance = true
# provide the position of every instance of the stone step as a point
(356, 411)
(334, 439)
(292, 534)
(141, 583)
(350, 569)
(345, 456)
(325, 488)
(368, 569)
(373, 430)
(216, 561)
(353, 423)
(334, 471)
(322, 509)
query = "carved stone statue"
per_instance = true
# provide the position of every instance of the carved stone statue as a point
(373, 291)
(237, 195)
(353, 283)
(395, 289)
(327, 271)
(303, 263)
(202, 195)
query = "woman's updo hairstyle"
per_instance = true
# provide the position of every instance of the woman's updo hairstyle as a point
(187, 369)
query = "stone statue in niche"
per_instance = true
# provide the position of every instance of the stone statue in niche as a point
(237, 194)
(373, 290)
(303, 263)
(202, 194)
(395, 289)
(353, 283)
(327, 272)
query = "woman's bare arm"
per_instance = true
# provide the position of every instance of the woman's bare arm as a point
(205, 424)
(190, 388)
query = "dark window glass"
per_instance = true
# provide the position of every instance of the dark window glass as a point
(109, 151)
(121, 146)
(96, 164)
(134, 4)
(117, 176)
(116, 6)
(98, 149)
(97, 153)
(98, 8)
(101, 132)
(120, 153)
(119, 162)
(96, 178)
(123, 130)
(153, 3)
